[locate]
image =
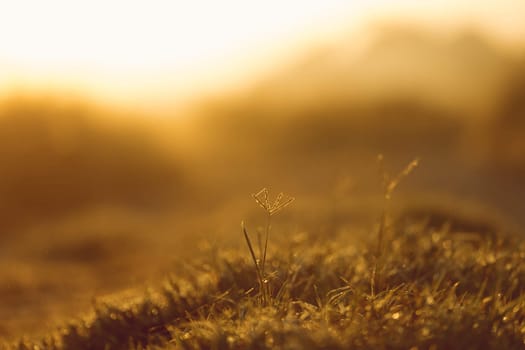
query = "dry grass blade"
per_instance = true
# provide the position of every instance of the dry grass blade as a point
(256, 264)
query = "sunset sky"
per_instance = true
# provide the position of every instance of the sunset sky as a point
(160, 51)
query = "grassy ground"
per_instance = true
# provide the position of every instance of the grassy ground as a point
(74, 237)
(96, 205)
(428, 288)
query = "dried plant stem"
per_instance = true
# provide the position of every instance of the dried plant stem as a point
(389, 185)
(262, 285)
(268, 223)
(373, 280)
(383, 224)
(259, 242)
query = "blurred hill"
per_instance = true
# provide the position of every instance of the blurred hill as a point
(58, 157)
(454, 100)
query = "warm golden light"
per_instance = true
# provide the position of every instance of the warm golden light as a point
(132, 46)
(157, 50)
(132, 133)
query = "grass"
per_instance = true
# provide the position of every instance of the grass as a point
(436, 288)
(440, 289)
(389, 184)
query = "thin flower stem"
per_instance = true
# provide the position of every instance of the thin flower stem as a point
(263, 200)
(268, 223)
(259, 243)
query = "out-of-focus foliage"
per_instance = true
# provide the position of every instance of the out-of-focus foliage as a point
(408, 90)
(454, 100)
(58, 157)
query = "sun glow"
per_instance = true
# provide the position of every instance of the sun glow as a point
(160, 49)
(121, 45)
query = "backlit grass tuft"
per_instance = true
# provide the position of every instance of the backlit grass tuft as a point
(438, 291)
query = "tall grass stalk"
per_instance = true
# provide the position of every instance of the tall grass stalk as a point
(260, 277)
(271, 208)
(389, 184)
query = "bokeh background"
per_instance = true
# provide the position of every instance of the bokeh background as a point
(133, 133)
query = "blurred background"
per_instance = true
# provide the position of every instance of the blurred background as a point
(133, 132)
